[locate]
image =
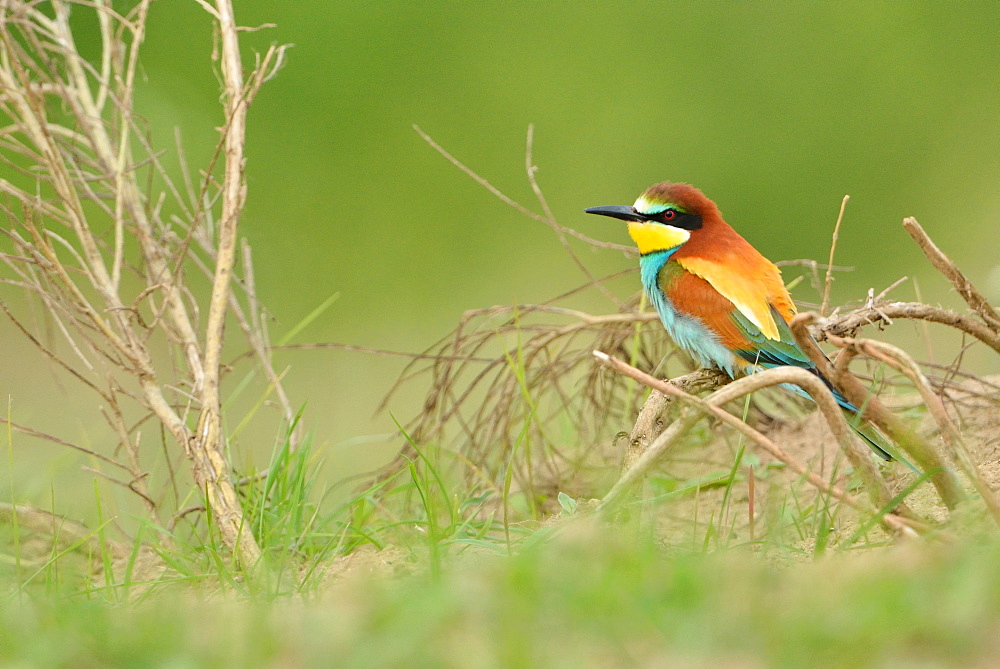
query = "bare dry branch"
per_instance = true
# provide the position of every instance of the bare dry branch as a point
(944, 264)
(649, 423)
(851, 321)
(210, 466)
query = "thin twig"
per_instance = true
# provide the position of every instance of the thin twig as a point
(517, 205)
(561, 231)
(829, 264)
(31, 432)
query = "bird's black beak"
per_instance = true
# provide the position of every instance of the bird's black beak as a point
(624, 213)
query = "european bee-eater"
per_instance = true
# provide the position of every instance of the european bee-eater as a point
(718, 297)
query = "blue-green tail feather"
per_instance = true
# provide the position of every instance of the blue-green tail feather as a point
(871, 435)
(767, 353)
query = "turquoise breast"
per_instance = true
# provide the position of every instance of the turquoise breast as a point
(687, 331)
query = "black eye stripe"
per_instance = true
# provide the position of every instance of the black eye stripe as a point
(680, 219)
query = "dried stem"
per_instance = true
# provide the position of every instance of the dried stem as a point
(211, 468)
(833, 248)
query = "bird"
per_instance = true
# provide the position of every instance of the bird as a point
(717, 296)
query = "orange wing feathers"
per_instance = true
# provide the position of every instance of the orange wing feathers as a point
(692, 295)
(738, 271)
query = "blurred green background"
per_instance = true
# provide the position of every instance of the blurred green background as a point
(776, 110)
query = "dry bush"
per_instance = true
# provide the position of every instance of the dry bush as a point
(132, 266)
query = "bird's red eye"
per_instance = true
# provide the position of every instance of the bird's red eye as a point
(669, 214)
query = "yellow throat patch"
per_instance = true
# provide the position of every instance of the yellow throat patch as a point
(650, 237)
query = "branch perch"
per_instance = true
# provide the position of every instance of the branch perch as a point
(648, 425)
(711, 406)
